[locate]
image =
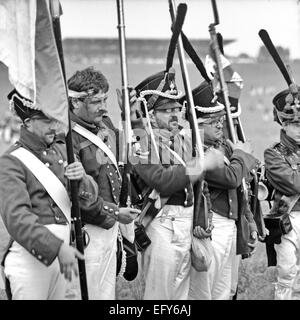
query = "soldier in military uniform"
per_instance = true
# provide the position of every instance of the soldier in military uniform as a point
(225, 193)
(37, 258)
(166, 181)
(88, 92)
(282, 170)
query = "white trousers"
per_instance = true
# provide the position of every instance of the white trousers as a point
(100, 263)
(29, 278)
(288, 266)
(166, 262)
(235, 274)
(217, 283)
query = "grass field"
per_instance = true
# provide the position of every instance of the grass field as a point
(261, 83)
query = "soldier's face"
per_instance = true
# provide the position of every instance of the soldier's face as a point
(93, 108)
(44, 128)
(292, 129)
(167, 119)
(213, 129)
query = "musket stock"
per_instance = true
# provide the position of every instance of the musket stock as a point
(274, 54)
(194, 57)
(176, 29)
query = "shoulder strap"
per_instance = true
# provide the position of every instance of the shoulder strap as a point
(176, 155)
(291, 201)
(47, 178)
(226, 160)
(97, 141)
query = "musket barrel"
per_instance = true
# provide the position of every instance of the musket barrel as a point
(187, 87)
(125, 102)
(124, 74)
(224, 89)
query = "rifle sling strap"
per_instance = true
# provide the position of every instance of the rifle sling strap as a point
(97, 141)
(291, 201)
(145, 216)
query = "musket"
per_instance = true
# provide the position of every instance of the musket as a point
(216, 40)
(238, 125)
(75, 210)
(224, 89)
(125, 196)
(275, 55)
(223, 85)
(150, 210)
(197, 144)
(284, 69)
(217, 44)
(196, 139)
(254, 202)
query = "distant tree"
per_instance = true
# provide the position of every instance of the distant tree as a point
(243, 56)
(263, 54)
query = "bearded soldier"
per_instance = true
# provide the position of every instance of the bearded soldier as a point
(35, 207)
(282, 170)
(166, 180)
(227, 202)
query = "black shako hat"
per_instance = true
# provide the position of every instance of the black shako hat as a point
(235, 107)
(206, 102)
(160, 91)
(287, 105)
(24, 108)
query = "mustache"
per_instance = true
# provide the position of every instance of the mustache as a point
(101, 112)
(173, 118)
(51, 132)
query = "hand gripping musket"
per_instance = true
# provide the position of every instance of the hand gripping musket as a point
(125, 196)
(75, 210)
(196, 140)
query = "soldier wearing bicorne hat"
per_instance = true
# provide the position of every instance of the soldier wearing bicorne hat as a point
(282, 162)
(37, 258)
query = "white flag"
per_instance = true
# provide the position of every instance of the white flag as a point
(28, 49)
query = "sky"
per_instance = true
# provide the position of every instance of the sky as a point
(239, 19)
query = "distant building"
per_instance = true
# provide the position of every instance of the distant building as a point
(240, 20)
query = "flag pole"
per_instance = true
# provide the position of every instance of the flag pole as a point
(75, 210)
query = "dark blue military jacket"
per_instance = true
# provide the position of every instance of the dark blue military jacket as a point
(165, 174)
(25, 205)
(98, 165)
(282, 163)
